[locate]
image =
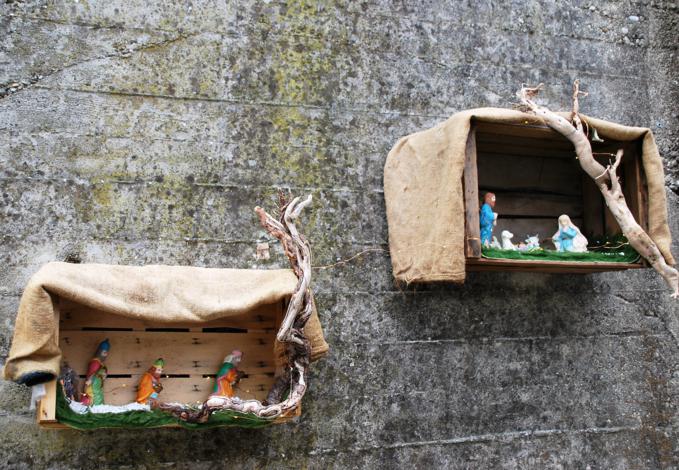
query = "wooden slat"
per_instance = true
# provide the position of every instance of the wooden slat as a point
(608, 146)
(183, 352)
(531, 204)
(635, 189)
(556, 176)
(562, 145)
(508, 147)
(47, 406)
(532, 130)
(77, 317)
(570, 267)
(471, 198)
(593, 208)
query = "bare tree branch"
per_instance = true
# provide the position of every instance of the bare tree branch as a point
(291, 332)
(605, 178)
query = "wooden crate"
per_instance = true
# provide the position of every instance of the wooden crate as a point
(192, 353)
(536, 177)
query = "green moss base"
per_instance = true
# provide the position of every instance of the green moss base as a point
(627, 255)
(148, 419)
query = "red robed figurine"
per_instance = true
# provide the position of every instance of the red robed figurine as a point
(96, 373)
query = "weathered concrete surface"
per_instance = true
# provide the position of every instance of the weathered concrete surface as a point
(145, 131)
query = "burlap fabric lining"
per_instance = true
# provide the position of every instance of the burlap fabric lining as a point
(425, 201)
(158, 294)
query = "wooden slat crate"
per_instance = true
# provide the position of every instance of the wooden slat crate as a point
(192, 353)
(536, 178)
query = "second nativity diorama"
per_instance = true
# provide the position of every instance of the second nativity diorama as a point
(526, 190)
(148, 346)
(538, 209)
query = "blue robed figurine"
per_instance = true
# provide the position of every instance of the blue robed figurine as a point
(487, 219)
(568, 237)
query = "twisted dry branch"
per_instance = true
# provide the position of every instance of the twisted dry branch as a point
(605, 178)
(291, 332)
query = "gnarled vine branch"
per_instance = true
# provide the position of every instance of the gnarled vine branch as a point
(291, 332)
(606, 179)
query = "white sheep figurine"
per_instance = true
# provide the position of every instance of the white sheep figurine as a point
(507, 240)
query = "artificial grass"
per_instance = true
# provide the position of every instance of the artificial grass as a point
(148, 419)
(610, 251)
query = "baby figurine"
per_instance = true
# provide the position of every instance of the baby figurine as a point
(532, 243)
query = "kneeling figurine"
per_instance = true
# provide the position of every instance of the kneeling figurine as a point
(149, 385)
(568, 237)
(229, 375)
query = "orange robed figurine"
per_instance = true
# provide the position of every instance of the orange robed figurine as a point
(149, 385)
(228, 374)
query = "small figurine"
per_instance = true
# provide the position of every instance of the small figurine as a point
(69, 383)
(532, 243)
(96, 373)
(487, 219)
(228, 374)
(507, 240)
(495, 243)
(568, 237)
(149, 385)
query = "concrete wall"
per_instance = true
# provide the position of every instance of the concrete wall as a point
(140, 131)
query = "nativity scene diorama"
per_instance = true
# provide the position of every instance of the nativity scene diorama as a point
(526, 189)
(150, 346)
(566, 240)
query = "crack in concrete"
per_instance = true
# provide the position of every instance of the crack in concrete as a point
(247, 103)
(486, 438)
(13, 86)
(70, 180)
(510, 339)
(439, 24)
(671, 324)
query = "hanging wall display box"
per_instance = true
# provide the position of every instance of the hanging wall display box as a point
(185, 324)
(192, 353)
(535, 176)
(436, 181)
